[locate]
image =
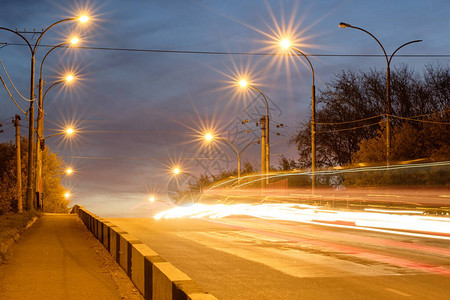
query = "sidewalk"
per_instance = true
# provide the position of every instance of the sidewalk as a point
(57, 258)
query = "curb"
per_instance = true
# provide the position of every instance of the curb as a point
(154, 277)
(9, 243)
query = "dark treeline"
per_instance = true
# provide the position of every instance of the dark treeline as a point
(420, 107)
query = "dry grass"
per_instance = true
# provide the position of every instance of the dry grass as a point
(12, 224)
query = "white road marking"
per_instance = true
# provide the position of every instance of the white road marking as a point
(288, 258)
(397, 292)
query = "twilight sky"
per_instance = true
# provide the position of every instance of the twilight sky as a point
(137, 112)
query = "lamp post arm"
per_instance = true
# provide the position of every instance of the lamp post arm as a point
(230, 143)
(44, 138)
(262, 94)
(310, 64)
(42, 34)
(26, 41)
(392, 55)
(379, 43)
(48, 89)
(43, 60)
(243, 149)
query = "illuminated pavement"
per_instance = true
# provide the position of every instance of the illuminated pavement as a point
(249, 258)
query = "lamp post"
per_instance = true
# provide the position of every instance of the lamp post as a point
(265, 140)
(33, 48)
(285, 43)
(40, 123)
(388, 88)
(209, 137)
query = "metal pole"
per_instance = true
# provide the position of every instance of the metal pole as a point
(388, 84)
(239, 167)
(388, 112)
(313, 121)
(18, 165)
(313, 138)
(40, 135)
(263, 148)
(267, 148)
(30, 192)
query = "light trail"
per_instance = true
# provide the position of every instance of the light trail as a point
(385, 222)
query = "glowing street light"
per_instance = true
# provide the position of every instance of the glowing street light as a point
(243, 83)
(388, 83)
(67, 195)
(69, 131)
(209, 137)
(151, 199)
(69, 171)
(176, 171)
(286, 44)
(74, 41)
(83, 19)
(69, 78)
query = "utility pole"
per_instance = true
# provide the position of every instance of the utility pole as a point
(18, 165)
(39, 146)
(30, 191)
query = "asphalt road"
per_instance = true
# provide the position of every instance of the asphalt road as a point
(250, 258)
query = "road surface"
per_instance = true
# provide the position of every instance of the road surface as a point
(251, 258)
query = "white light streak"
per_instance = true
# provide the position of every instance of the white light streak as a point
(380, 221)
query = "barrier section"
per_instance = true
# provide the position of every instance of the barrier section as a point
(126, 242)
(154, 277)
(115, 242)
(141, 261)
(106, 234)
(100, 230)
(164, 274)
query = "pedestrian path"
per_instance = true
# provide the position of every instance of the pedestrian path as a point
(57, 258)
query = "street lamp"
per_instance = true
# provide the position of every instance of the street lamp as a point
(265, 146)
(33, 48)
(69, 171)
(388, 82)
(209, 138)
(68, 132)
(286, 44)
(40, 121)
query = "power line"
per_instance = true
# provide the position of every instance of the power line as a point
(133, 131)
(423, 121)
(351, 128)
(237, 53)
(347, 122)
(131, 158)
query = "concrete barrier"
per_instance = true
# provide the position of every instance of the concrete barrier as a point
(154, 277)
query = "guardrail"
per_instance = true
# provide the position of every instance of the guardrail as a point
(154, 277)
